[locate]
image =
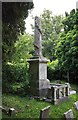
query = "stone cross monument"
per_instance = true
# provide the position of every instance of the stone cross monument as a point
(38, 37)
(39, 83)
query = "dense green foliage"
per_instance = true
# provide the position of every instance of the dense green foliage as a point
(60, 41)
(15, 50)
(15, 78)
(24, 48)
(13, 24)
(15, 73)
(51, 27)
(67, 46)
(53, 70)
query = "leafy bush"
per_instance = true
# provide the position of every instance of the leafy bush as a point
(53, 70)
(15, 77)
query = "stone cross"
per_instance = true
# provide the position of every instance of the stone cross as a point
(38, 37)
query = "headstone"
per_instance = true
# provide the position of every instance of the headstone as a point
(39, 83)
(69, 115)
(44, 99)
(44, 113)
(11, 112)
(76, 105)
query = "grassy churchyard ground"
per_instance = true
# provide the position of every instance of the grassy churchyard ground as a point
(30, 108)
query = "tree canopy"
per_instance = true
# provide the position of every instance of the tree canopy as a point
(51, 27)
(24, 49)
(13, 24)
(67, 47)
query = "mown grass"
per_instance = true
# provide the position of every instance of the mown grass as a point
(30, 108)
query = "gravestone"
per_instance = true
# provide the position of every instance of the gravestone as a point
(69, 115)
(76, 105)
(44, 113)
(11, 112)
(39, 83)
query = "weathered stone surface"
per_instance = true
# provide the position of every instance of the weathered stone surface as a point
(69, 115)
(59, 93)
(11, 112)
(76, 105)
(38, 37)
(43, 71)
(44, 113)
(39, 83)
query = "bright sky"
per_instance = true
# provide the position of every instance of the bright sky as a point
(56, 6)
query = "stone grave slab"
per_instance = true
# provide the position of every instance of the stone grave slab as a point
(69, 115)
(76, 105)
(44, 113)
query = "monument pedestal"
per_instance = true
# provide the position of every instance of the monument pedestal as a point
(39, 83)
